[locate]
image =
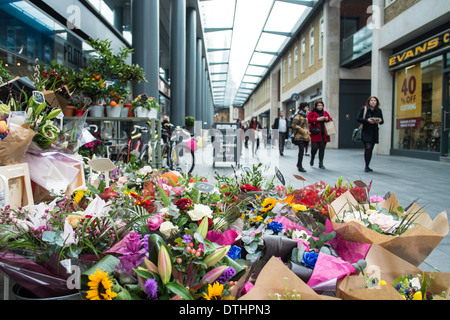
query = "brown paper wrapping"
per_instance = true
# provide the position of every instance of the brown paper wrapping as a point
(15, 145)
(414, 245)
(391, 267)
(271, 280)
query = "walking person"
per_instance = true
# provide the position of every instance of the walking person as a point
(371, 117)
(300, 127)
(255, 135)
(281, 124)
(319, 138)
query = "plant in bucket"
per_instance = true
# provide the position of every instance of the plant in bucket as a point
(145, 106)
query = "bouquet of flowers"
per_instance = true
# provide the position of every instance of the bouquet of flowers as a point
(69, 230)
(411, 233)
(388, 277)
(41, 118)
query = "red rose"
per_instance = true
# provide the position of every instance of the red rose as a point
(248, 187)
(183, 203)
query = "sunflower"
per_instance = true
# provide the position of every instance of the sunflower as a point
(215, 292)
(100, 287)
(78, 196)
(268, 204)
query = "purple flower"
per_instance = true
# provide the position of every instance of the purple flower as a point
(132, 254)
(151, 289)
(187, 238)
(226, 275)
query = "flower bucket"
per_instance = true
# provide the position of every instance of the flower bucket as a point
(129, 106)
(69, 111)
(21, 293)
(152, 113)
(140, 112)
(96, 111)
(79, 113)
(114, 112)
(124, 112)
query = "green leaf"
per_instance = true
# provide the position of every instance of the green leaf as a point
(107, 264)
(180, 290)
(49, 236)
(155, 242)
(144, 274)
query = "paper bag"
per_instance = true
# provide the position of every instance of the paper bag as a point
(389, 267)
(15, 145)
(330, 128)
(271, 281)
(414, 245)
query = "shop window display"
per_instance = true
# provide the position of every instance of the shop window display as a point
(417, 106)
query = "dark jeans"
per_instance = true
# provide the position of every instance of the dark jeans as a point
(302, 147)
(318, 146)
(282, 140)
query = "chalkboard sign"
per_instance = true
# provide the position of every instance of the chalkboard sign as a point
(280, 176)
(204, 187)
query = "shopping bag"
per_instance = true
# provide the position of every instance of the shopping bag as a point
(330, 128)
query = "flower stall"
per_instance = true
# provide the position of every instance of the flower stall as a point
(154, 236)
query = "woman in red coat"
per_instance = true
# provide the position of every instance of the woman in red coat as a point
(316, 118)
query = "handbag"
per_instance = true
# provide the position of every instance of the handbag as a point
(357, 132)
(356, 135)
(315, 131)
(330, 128)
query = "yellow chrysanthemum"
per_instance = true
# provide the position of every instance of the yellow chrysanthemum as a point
(256, 219)
(100, 286)
(268, 204)
(78, 196)
(298, 207)
(215, 292)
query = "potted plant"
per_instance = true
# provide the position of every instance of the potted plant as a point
(92, 86)
(55, 82)
(145, 106)
(113, 71)
(189, 122)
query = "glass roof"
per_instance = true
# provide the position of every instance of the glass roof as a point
(243, 38)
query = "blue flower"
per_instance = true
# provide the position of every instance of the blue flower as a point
(309, 259)
(275, 226)
(235, 252)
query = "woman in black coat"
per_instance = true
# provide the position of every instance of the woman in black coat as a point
(370, 116)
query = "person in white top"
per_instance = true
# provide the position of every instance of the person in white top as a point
(282, 125)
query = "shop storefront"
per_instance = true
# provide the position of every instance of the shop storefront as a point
(420, 98)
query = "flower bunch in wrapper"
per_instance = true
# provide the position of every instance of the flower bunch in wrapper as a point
(410, 286)
(94, 148)
(238, 187)
(41, 118)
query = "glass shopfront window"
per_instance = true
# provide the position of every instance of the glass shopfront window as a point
(417, 106)
(26, 33)
(118, 13)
